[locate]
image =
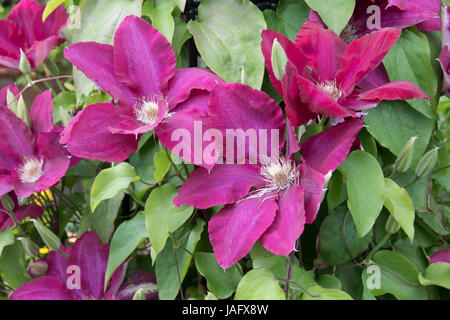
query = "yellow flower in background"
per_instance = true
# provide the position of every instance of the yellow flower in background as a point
(44, 250)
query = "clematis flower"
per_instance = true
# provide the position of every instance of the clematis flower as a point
(271, 201)
(24, 30)
(87, 259)
(393, 14)
(31, 159)
(323, 74)
(139, 72)
(441, 256)
(444, 57)
(20, 212)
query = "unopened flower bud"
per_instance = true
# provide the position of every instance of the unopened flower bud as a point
(139, 295)
(38, 268)
(22, 111)
(244, 77)
(405, 157)
(389, 170)
(51, 240)
(427, 163)
(31, 248)
(8, 203)
(279, 60)
(392, 225)
(11, 101)
(24, 64)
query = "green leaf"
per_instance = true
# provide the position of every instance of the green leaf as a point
(166, 266)
(162, 165)
(222, 283)
(292, 14)
(259, 284)
(226, 35)
(110, 182)
(365, 187)
(400, 206)
(161, 16)
(51, 6)
(409, 60)
(436, 274)
(124, 241)
(394, 123)
(398, 276)
(6, 239)
(334, 13)
(162, 217)
(326, 294)
(333, 246)
(98, 22)
(13, 267)
(328, 281)
(65, 100)
(103, 218)
(181, 4)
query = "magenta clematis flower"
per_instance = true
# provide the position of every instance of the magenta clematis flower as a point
(31, 159)
(87, 259)
(139, 72)
(393, 14)
(24, 30)
(441, 256)
(444, 57)
(271, 201)
(323, 74)
(20, 212)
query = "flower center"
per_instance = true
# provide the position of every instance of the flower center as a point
(279, 174)
(31, 170)
(147, 109)
(349, 33)
(331, 88)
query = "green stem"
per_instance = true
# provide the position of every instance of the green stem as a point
(378, 247)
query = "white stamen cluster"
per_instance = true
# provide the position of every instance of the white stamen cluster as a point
(279, 174)
(31, 170)
(147, 109)
(331, 88)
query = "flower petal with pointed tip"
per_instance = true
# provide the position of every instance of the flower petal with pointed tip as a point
(42, 288)
(41, 114)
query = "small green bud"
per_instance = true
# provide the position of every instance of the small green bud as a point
(11, 101)
(22, 111)
(244, 77)
(427, 163)
(139, 295)
(279, 60)
(210, 296)
(405, 157)
(31, 248)
(51, 240)
(8, 203)
(389, 170)
(392, 225)
(38, 268)
(24, 64)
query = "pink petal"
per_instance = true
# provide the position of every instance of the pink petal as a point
(289, 222)
(91, 257)
(225, 184)
(87, 135)
(441, 256)
(235, 229)
(57, 264)
(52, 25)
(143, 58)
(42, 288)
(186, 80)
(292, 143)
(40, 50)
(234, 106)
(313, 182)
(184, 131)
(401, 90)
(323, 47)
(296, 57)
(327, 150)
(41, 114)
(23, 15)
(376, 78)
(6, 184)
(133, 283)
(15, 133)
(364, 55)
(95, 60)
(320, 102)
(297, 111)
(11, 39)
(444, 60)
